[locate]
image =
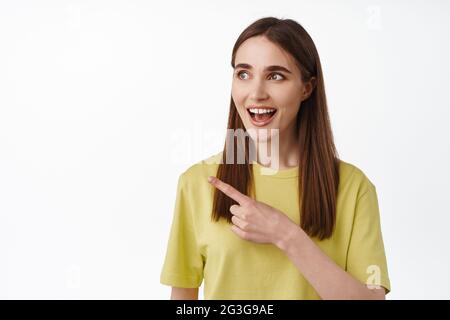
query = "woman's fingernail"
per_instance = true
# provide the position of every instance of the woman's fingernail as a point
(210, 179)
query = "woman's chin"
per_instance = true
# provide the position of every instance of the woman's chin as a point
(262, 134)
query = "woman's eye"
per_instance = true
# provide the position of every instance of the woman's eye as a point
(278, 74)
(239, 74)
(272, 74)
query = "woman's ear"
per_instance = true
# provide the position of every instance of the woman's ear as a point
(308, 88)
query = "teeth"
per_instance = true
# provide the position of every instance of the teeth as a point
(256, 110)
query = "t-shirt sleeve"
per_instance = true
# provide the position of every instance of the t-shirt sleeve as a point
(366, 259)
(183, 264)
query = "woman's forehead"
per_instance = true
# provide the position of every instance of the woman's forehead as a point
(259, 52)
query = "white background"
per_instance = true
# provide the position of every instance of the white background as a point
(104, 103)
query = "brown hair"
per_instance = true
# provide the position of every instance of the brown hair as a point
(318, 160)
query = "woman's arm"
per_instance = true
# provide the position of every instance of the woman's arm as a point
(328, 279)
(184, 293)
(258, 222)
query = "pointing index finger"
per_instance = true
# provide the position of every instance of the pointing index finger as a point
(228, 190)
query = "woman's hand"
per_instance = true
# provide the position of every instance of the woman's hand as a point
(253, 220)
(259, 222)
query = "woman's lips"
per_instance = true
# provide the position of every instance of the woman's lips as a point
(261, 123)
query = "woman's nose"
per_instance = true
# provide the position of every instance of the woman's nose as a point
(258, 90)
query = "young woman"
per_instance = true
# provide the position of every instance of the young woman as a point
(300, 224)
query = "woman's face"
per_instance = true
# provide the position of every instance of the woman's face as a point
(267, 88)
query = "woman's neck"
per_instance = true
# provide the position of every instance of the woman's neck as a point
(284, 151)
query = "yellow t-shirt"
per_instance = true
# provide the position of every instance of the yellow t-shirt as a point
(234, 268)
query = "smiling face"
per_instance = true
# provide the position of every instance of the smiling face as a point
(267, 88)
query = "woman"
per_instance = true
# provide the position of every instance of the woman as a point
(300, 224)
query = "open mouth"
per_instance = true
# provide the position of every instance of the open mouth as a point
(261, 116)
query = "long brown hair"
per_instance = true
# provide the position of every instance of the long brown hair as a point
(318, 160)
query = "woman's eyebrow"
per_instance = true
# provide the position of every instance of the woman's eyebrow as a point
(269, 68)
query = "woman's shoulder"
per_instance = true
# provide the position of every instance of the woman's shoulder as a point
(352, 176)
(201, 170)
